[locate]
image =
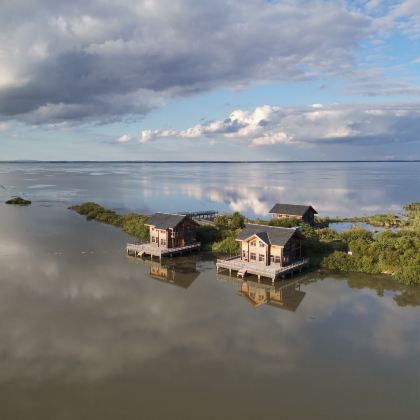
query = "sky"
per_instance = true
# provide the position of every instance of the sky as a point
(209, 80)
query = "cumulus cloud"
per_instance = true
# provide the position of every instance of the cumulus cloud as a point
(269, 125)
(100, 60)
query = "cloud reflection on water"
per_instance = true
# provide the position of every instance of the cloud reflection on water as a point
(72, 306)
(340, 189)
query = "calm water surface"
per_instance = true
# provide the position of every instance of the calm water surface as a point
(87, 333)
(334, 189)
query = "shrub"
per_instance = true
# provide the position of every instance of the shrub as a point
(237, 221)
(286, 222)
(356, 233)
(409, 274)
(339, 260)
(221, 221)
(133, 224)
(208, 234)
(227, 246)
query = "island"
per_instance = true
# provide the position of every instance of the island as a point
(395, 252)
(18, 201)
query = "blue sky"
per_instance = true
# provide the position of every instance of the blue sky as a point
(188, 80)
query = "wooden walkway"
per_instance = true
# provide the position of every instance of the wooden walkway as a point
(146, 248)
(204, 214)
(270, 271)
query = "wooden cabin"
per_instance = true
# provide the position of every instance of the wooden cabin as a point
(172, 230)
(305, 213)
(270, 245)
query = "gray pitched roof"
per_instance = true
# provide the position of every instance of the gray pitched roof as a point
(269, 234)
(165, 220)
(264, 237)
(294, 209)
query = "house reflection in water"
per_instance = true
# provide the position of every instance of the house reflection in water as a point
(182, 275)
(284, 295)
(287, 297)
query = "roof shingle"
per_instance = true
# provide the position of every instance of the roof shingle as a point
(294, 209)
(272, 235)
(165, 220)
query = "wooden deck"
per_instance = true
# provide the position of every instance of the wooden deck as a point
(146, 248)
(272, 271)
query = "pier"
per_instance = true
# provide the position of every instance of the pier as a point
(272, 271)
(204, 214)
(146, 248)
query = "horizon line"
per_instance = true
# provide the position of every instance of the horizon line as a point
(212, 161)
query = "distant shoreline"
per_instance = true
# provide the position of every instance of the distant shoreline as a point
(209, 161)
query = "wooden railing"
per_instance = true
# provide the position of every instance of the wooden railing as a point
(147, 247)
(254, 267)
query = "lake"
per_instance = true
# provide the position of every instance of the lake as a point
(88, 333)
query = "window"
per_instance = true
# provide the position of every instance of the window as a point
(162, 242)
(271, 258)
(153, 239)
(244, 254)
(253, 243)
(253, 256)
(277, 259)
(261, 244)
(261, 258)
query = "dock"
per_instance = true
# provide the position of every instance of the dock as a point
(204, 214)
(272, 271)
(146, 248)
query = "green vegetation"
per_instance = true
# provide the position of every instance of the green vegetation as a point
(220, 238)
(131, 223)
(396, 253)
(359, 250)
(19, 201)
(379, 220)
(412, 219)
(286, 222)
(228, 245)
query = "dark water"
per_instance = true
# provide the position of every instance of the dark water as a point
(87, 333)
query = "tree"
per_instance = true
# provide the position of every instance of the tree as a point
(237, 221)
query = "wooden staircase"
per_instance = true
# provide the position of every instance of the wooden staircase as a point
(241, 272)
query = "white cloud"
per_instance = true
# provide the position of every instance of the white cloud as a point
(125, 138)
(403, 17)
(93, 61)
(86, 60)
(269, 125)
